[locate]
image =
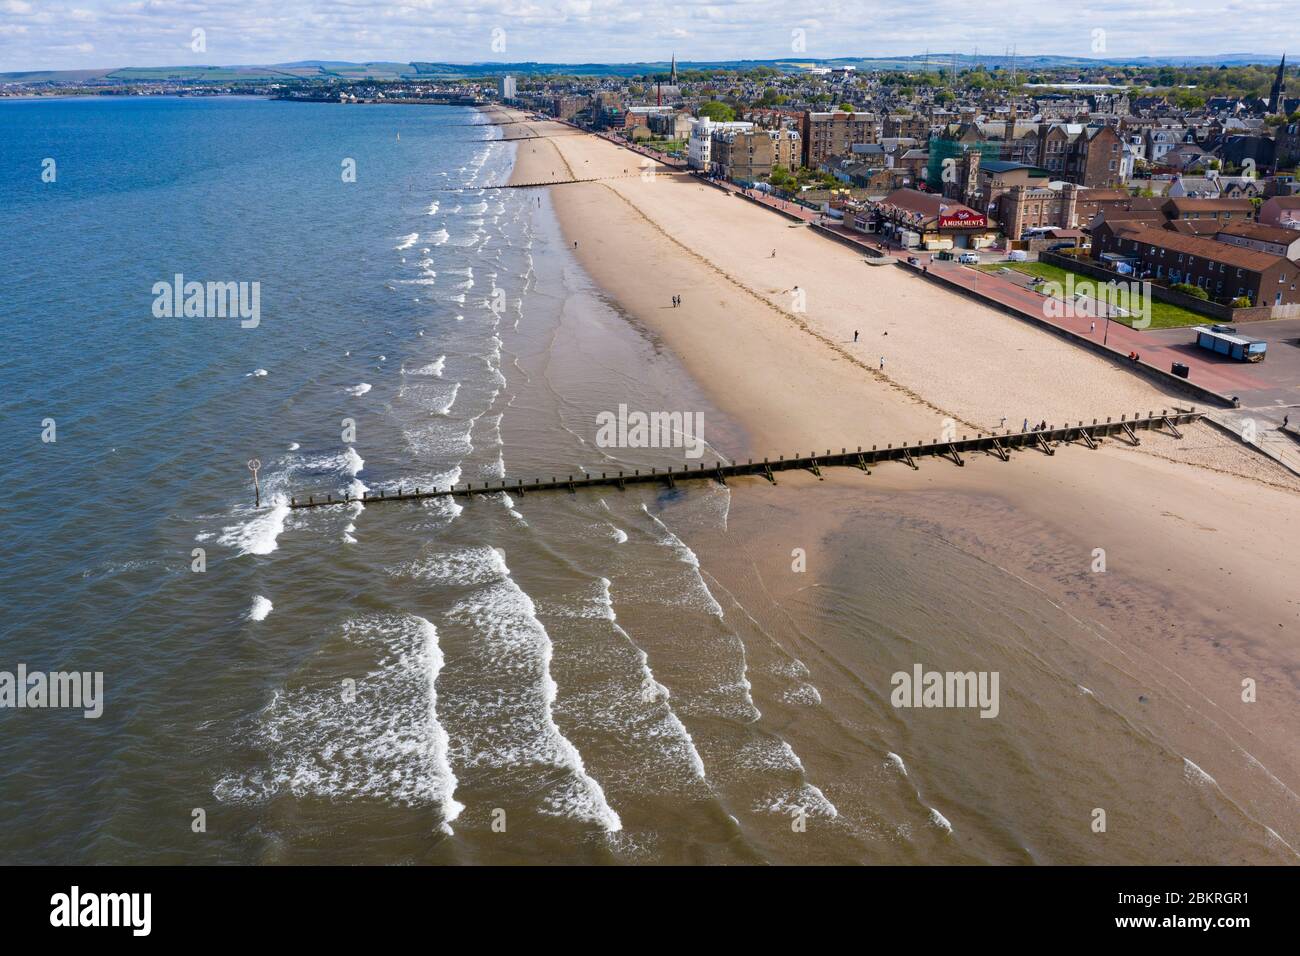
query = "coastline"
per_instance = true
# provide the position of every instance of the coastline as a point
(1194, 598)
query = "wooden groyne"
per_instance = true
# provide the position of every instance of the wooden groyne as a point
(997, 445)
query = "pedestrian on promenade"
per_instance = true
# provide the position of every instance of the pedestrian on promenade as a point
(855, 338)
(1092, 328)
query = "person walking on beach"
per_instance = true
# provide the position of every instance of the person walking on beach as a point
(855, 335)
(1025, 426)
(773, 255)
(1286, 420)
(882, 363)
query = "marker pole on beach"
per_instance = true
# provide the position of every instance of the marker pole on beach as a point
(253, 466)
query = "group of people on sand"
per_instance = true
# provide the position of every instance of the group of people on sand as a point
(677, 300)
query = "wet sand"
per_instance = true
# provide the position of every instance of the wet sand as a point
(1197, 594)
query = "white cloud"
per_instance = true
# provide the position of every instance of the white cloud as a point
(89, 33)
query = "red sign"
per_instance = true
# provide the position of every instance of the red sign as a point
(962, 219)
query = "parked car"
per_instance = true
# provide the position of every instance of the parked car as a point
(1018, 255)
(969, 258)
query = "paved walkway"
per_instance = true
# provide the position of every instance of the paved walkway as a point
(1224, 378)
(1258, 427)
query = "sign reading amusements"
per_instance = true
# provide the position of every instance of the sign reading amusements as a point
(963, 219)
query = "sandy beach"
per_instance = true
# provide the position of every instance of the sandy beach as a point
(1197, 595)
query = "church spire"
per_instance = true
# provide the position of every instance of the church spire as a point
(1277, 96)
(673, 78)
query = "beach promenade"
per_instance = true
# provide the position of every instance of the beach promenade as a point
(1211, 378)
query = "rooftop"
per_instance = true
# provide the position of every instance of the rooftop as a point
(1206, 249)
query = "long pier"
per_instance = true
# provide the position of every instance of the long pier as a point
(997, 445)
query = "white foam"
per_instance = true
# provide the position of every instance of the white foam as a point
(433, 368)
(939, 820)
(688, 557)
(407, 241)
(894, 760)
(358, 390)
(651, 690)
(258, 534)
(805, 801)
(805, 695)
(379, 738)
(516, 643)
(1194, 774)
(257, 373)
(260, 609)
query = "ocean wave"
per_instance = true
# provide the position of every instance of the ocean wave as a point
(358, 390)
(258, 534)
(433, 368)
(514, 644)
(261, 608)
(378, 736)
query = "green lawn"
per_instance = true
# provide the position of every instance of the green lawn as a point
(1163, 315)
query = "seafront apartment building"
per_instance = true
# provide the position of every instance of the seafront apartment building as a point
(699, 148)
(834, 134)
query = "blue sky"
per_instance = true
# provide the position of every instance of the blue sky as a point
(71, 34)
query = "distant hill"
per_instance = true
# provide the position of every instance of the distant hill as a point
(381, 70)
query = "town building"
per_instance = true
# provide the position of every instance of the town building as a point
(1281, 211)
(741, 155)
(1084, 155)
(833, 134)
(1273, 240)
(1220, 210)
(1225, 272)
(928, 221)
(699, 148)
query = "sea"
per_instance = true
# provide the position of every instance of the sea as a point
(545, 678)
